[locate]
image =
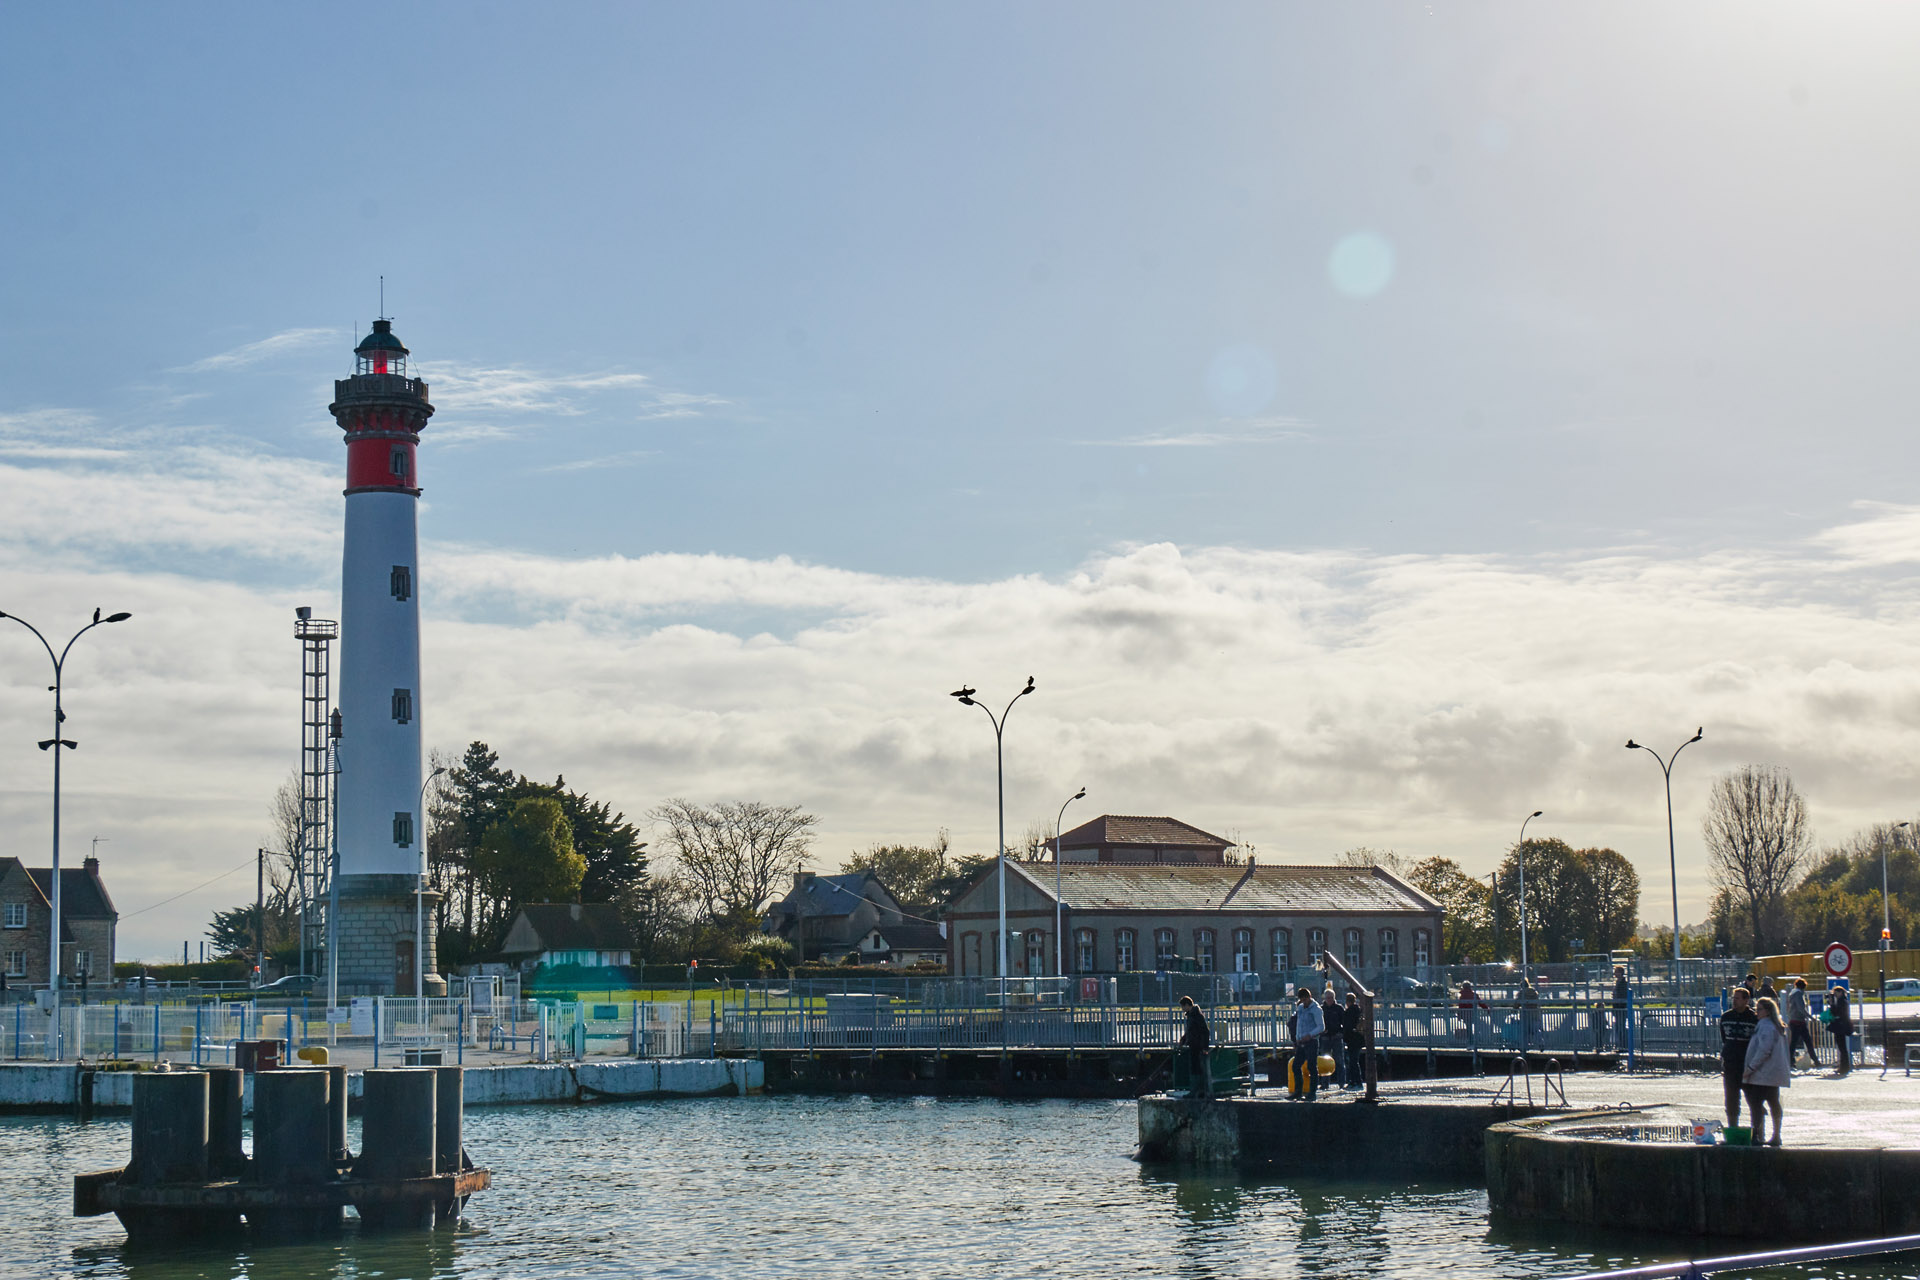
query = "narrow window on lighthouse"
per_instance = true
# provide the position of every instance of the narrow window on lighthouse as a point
(397, 463)
(403, 829)
(403, 705)
(400, 582)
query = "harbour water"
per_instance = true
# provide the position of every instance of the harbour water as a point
(831, 1187)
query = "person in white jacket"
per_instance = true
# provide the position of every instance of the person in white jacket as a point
(1769, 1069)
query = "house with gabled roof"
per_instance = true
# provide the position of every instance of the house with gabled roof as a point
(590, 934)
(853, 916)
(1167, 899)
(88, 923)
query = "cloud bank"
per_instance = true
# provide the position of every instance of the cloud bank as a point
(1304, 702)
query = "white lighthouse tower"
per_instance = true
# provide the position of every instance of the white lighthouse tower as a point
(381, 830)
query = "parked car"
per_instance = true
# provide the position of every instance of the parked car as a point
(294, 984)
(141, 982)
(1903, 987)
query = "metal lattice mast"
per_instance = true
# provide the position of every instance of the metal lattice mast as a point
(316, 636)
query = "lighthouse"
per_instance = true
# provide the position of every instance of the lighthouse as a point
(380, 828)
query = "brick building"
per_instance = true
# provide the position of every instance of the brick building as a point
(88, 922)
(1158, 894)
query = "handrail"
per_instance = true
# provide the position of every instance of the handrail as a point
(1371, 1069)
(1777, 1257)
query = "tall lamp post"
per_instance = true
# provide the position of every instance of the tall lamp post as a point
(1520, 860)
(1060, 966)
(1886, 941)
(1673, 866)
(58, 743)
(1493, 888)
(420, 896)
(965, 694)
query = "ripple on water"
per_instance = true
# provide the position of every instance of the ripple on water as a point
(828, 1188)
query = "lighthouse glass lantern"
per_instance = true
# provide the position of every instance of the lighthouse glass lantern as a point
(381, 351)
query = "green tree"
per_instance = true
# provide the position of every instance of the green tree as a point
(1592, 895)
(910, 871)
(1467, 932)
(527, 856)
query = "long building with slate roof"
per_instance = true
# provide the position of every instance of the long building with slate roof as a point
(1142, 895)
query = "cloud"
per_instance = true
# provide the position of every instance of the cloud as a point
(1312, 700)
(1228, 431)
(265, 349)
(471, 389)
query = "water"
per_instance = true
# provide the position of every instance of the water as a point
(831, 1187)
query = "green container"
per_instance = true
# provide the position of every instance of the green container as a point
(1736, 1136)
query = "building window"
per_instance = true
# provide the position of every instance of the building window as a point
(1036, 953)
(397, 463)
(1422, 947)
(1164, 954)
(1123, 950)
(970, 955)
(16, 915)
(16, 964)
(1316, 947)
(1243, 951)
(1355, 956)
(1389, 949)
(1203, 949)
(403, 705)
(400, 582)
(1282, 951)
(403, 829)
(83, 962)
(1083, 950)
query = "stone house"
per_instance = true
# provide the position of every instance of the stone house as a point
(88, 923)
(852, 915)
(1154, 904)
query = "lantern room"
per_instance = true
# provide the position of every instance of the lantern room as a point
(381, 352)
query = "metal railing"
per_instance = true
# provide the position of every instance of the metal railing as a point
(1774, 1258)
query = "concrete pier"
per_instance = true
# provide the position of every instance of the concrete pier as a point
(397, 1140)
(292, 1147)
(226, 1095)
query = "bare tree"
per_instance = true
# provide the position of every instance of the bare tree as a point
(1758, 841)
(1397, 863)
(735, 854)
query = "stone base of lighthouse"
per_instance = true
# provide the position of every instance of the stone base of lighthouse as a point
(375, 933)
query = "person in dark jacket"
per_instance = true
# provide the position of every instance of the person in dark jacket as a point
(1334, 1044)
(1799, 1031)
(1354, 1030)
(1736, 1029)
(1199, 1041)
(1622, 1005)
(1842, 1029)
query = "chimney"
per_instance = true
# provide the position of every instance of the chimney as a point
(92, 865)
(801, 879)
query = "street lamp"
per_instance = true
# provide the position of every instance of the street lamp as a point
(1673, 870)
(1520, 859)
(965, 694)
(1886, 940)
(57, 743)
(1059, 909)
(420, 895)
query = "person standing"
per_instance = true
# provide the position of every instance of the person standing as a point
(1842, 1029)
(1736, 1030)
(1308, 1026)
(1622, 1006)
(1768, 1070)
(1335, 1044)
(1529, 1013)
(1199, 1042)
(1469, 999)
(1799, 1031)
(1353, 1030)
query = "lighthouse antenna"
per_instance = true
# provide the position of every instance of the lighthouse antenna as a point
(383, 297)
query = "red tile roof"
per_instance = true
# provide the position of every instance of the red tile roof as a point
(1122, 829)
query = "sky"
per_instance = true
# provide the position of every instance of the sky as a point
(1359, 420)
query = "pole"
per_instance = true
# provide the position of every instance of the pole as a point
(259, 916)
(1520, 859)
(1059, 908)
(1886, 937)
(1673, 864)
(965, 695)
(1493, 887)
(420, 896)
(333, 893)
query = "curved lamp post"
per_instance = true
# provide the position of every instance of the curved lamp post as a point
(1059, 908)
(420, 896)
(965, 694)
(1673, 872)
(1520, 860)
(58, 743)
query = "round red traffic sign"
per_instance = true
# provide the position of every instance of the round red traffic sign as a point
(1839, 959)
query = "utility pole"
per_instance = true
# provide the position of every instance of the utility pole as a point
(259, 916)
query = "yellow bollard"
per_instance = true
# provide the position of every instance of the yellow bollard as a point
(317, 1055)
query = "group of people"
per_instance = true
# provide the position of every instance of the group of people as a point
(1758, 1044)
(1323, 1027)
